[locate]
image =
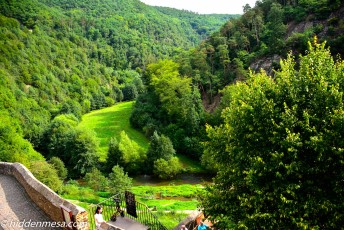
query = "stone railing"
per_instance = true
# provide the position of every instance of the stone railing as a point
(108, 226)
(44, 197)
(190, 221)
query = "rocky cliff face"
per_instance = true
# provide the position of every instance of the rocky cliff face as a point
(266, 63)
(330, 29)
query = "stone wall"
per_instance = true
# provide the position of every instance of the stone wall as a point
(43, 196)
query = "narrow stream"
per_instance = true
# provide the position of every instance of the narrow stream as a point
(182, 179)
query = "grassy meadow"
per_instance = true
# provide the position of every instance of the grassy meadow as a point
(109, 122)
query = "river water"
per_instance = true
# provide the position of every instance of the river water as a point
(182, 179)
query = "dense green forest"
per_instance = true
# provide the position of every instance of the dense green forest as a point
(266, 32)
(271, 138)
(203, 24)
(61, 59)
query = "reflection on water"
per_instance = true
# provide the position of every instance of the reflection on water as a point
(182, 179)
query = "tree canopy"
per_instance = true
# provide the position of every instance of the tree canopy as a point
(119, 180)
(279, 151)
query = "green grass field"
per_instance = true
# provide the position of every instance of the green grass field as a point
(109, 122)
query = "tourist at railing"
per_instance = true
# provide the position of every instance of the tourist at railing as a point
(202, 226)
(98, 217)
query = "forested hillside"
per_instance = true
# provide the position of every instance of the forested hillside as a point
(266, 33)
(61, 59)
(203, 24)
(258, 39)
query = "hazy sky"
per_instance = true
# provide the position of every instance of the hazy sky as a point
(205, 6)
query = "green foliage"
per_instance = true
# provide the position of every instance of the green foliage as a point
(73, 191)
(84, 155)
(130, 84)
(171, 106)
(60, 167)
(170, 191)
(47, 174)
(13, 147)
(60, 136)
(114, 156)
(119, 181)
(203, 24)
(129, 92)
(71, 107)
(170, 86)
(160, 147)
(132, 155)
(171, 219)
(275, 31)
(278, 154)
(190, 165)
(76, 147)
(96, 180)
(167, 169)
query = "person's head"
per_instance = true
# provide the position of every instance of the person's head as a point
(201, 223)
(183, 227)
(99, 210)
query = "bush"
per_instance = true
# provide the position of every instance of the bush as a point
(119, 181)
(47, 174)
(167, 169)
(96, 180)
(61, 169)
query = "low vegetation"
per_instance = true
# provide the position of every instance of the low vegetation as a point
(170, 191)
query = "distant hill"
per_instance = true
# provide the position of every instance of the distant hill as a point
(137, 33)
(203, 24)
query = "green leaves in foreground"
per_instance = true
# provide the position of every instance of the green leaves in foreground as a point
(279, 152)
